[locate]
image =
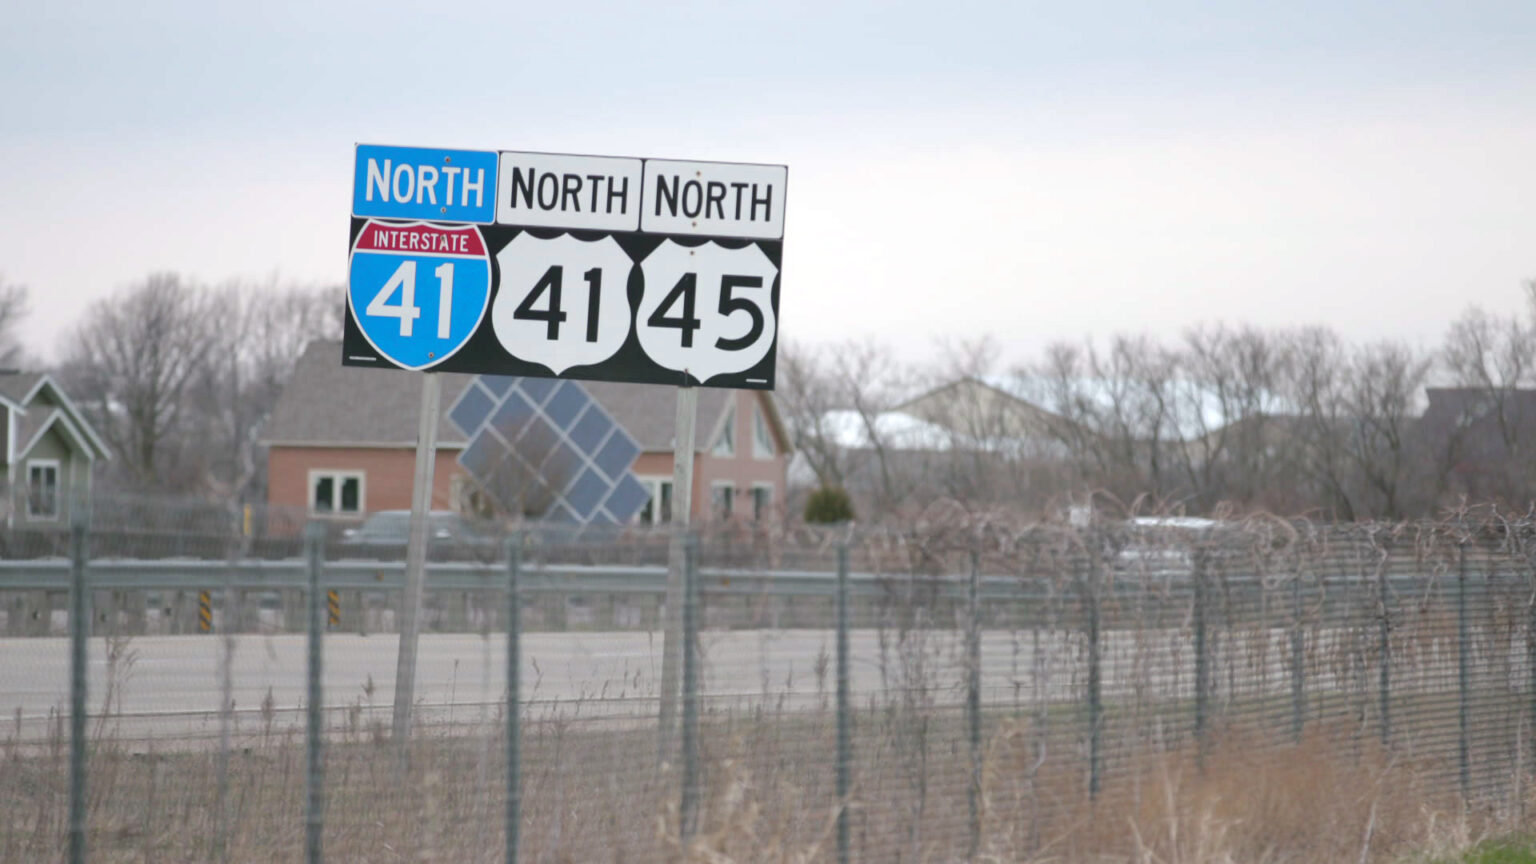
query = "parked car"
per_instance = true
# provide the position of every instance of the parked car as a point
(1159, 548)
(387, 532)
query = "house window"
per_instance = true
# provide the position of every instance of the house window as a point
(762, 501)
(725, 445)
(43, 489)
(336, 492)
(723, 500)
(762, 440)
(658, 509)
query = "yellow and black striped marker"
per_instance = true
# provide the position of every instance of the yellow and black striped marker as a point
(204, 612)
(333, 606)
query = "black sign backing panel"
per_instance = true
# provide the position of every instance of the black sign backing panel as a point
(715, 324)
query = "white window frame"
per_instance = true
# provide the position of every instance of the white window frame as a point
(767, 513)
(653, 484)
(714, 510)
(337, 476)
(58, 485)
(725, 442)
(761, 422)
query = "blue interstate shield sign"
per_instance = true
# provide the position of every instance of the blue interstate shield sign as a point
(424, 183)
(418, 291)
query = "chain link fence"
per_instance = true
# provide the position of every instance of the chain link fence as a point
(186, 681)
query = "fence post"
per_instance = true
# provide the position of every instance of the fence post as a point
(1463, 659)
(1298, 657)
(844, 737)
(973, 697)
(514, 696)
(1202, 658)
(1530, 650)
(79, 637)
(1095, 673)
(1385, 657)
(314, 768)
(231, 621)
(690, 798)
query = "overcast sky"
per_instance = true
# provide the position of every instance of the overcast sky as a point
(1033, 171)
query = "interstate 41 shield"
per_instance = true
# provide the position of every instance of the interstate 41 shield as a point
(418, 291)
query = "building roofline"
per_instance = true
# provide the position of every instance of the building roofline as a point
(356, 445)
(69, 426)
(982, 382)
(91, 438)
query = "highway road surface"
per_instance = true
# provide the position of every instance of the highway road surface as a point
(167, 688)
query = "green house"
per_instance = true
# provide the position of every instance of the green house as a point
(49, 451)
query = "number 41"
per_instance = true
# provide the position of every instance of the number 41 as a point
(407, 311)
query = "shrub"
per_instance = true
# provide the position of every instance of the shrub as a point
(827, 505)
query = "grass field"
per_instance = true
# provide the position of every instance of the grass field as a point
(1509, 850)
(594, 793)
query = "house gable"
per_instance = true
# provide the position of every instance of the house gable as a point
(45, 406)
(740, 481)
(55, 425)
(59, 456)
(976, 408)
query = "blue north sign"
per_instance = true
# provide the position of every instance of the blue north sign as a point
(422, 183)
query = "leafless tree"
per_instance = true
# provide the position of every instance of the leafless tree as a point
(1382, 394)
(1315, 388)
(1242, 417)
(1058, 384)
(131, 363)
(1352, 416)
(1117, 411)
(1225, 402)
(806, 394)
(1495, 357)
(263, 328)
(14, 308)
(1000, 446)
(836, 399)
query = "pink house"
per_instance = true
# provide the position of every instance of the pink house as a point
(341, 444)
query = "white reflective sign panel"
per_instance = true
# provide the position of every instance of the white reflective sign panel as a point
(706, 309)
(562, 301)
(555, 191)
(716, 199)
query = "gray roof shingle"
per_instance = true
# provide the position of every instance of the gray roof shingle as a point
(325, 402)
(649, 411)
(16, 385)
(328, 403)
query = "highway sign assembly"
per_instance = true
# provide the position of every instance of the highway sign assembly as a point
(519, 266)
(565, 266)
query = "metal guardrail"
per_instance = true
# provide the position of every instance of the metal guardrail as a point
(52, 574)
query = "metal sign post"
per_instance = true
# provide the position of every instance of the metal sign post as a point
(415, 560)
(682, 509)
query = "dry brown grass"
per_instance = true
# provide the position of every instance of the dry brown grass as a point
(1332, 798)
(1328, 799)
(596, 795)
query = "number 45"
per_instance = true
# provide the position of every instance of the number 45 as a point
(407, 311)
(688, 322)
